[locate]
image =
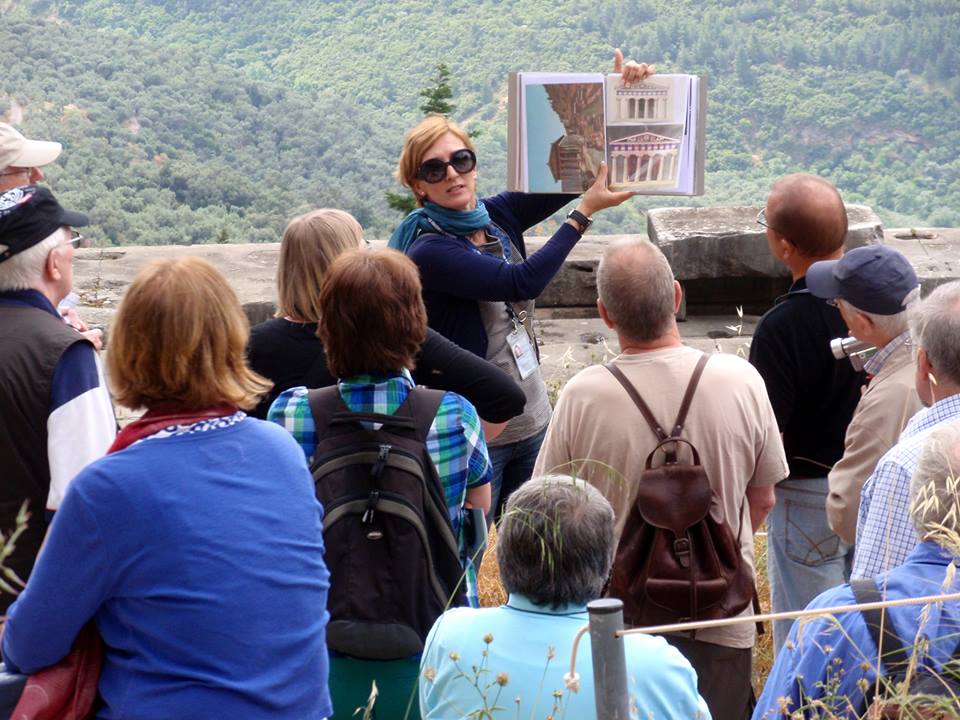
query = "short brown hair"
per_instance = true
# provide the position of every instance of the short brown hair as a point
(180, 336)
(310, 243)
(372, 318)
(810, 214)
(419, 140)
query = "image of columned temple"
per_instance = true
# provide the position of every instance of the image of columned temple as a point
(644, 159)
(644, 101)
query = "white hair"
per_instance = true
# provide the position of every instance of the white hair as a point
(935, 325)
(935, 487)
(24, 271)
(889, 325)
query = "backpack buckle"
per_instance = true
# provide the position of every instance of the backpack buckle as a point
(681, 548)
(372, 501)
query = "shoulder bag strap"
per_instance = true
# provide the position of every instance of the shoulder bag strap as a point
(894, 657)
(638, 401)
(688, 395)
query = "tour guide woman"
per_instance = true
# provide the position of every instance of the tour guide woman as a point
(478, 282)
(195, 545)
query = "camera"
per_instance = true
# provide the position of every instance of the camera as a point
(857, 351)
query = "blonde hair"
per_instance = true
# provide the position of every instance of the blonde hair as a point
(180, 336)
(311, 242)
(419, 140)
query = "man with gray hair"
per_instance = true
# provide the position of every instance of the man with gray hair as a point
(55, 412)
(885, 535)
(598, 433)
(873, 287)
(554, 549)
(829, 663)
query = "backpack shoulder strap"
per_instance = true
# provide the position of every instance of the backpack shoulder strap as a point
(638, 401)
(688, 395)
(422, 404)
(894, 657)
(325, 402)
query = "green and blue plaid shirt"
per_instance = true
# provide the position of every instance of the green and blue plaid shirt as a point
(455, 441)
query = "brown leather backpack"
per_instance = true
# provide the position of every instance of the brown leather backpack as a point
(677, 560)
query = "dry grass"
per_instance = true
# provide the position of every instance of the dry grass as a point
(492, 594)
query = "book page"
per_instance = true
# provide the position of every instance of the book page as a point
(563, 138)
(650, 147)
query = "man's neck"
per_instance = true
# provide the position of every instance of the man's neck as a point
(799, 264)
(634, 347)
(944, 390)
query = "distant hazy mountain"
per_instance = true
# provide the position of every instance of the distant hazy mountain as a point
(195, 121)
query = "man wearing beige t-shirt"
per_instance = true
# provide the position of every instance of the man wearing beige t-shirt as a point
(599, 434)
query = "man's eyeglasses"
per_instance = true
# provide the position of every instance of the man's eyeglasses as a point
(77, 240)
(762, 218)
(434, 171)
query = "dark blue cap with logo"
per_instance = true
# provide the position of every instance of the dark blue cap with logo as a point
(873, 278)
(28, 215)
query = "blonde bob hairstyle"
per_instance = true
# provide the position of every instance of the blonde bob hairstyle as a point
(180, 337)
(311, 242)
(419, 140)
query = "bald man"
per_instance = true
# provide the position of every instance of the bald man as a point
(813, 395)
(21, 159)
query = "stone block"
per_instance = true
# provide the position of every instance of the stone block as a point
(706, 243)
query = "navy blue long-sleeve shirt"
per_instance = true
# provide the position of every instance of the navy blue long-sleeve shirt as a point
(455, 274)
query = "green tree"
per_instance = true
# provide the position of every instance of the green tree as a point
(439, 97)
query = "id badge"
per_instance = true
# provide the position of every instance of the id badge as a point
(523, 353)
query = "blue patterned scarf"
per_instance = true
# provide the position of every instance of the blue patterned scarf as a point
(454, 222)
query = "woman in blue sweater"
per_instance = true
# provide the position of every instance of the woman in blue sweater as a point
(195, 546)
(479, 284)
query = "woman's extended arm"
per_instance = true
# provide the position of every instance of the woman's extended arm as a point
(454, 267)
(445, 365)
(66, 588)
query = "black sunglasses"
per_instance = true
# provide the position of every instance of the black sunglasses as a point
(433, 171)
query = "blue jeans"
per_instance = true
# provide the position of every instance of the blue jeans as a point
(512, 467)
(804, 556)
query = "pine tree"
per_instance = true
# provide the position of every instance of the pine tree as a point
(438, 98)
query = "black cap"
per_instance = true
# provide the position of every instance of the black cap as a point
(873, 278)
(29, 214)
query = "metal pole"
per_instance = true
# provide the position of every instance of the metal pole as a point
(609, 659)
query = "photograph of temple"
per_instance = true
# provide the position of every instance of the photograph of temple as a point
(646, 101)
(645, 159)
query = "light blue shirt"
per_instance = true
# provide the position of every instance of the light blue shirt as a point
(831, 660)
(520, 670)
(885, 534)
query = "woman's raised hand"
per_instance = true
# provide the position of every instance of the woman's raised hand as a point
(599, 196)
(631, 71)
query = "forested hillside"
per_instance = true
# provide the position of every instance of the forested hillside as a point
(199, 120)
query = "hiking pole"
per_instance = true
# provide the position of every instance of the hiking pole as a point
(609, 659)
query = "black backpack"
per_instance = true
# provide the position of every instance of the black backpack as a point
(393, 558)
(931, 695)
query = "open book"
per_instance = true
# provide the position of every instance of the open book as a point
(650, 133)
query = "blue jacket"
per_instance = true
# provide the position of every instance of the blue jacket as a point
(833, 660)
(200, 558)
(455, 274)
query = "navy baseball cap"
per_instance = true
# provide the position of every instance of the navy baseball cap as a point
(872, 278)
(29, 214)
